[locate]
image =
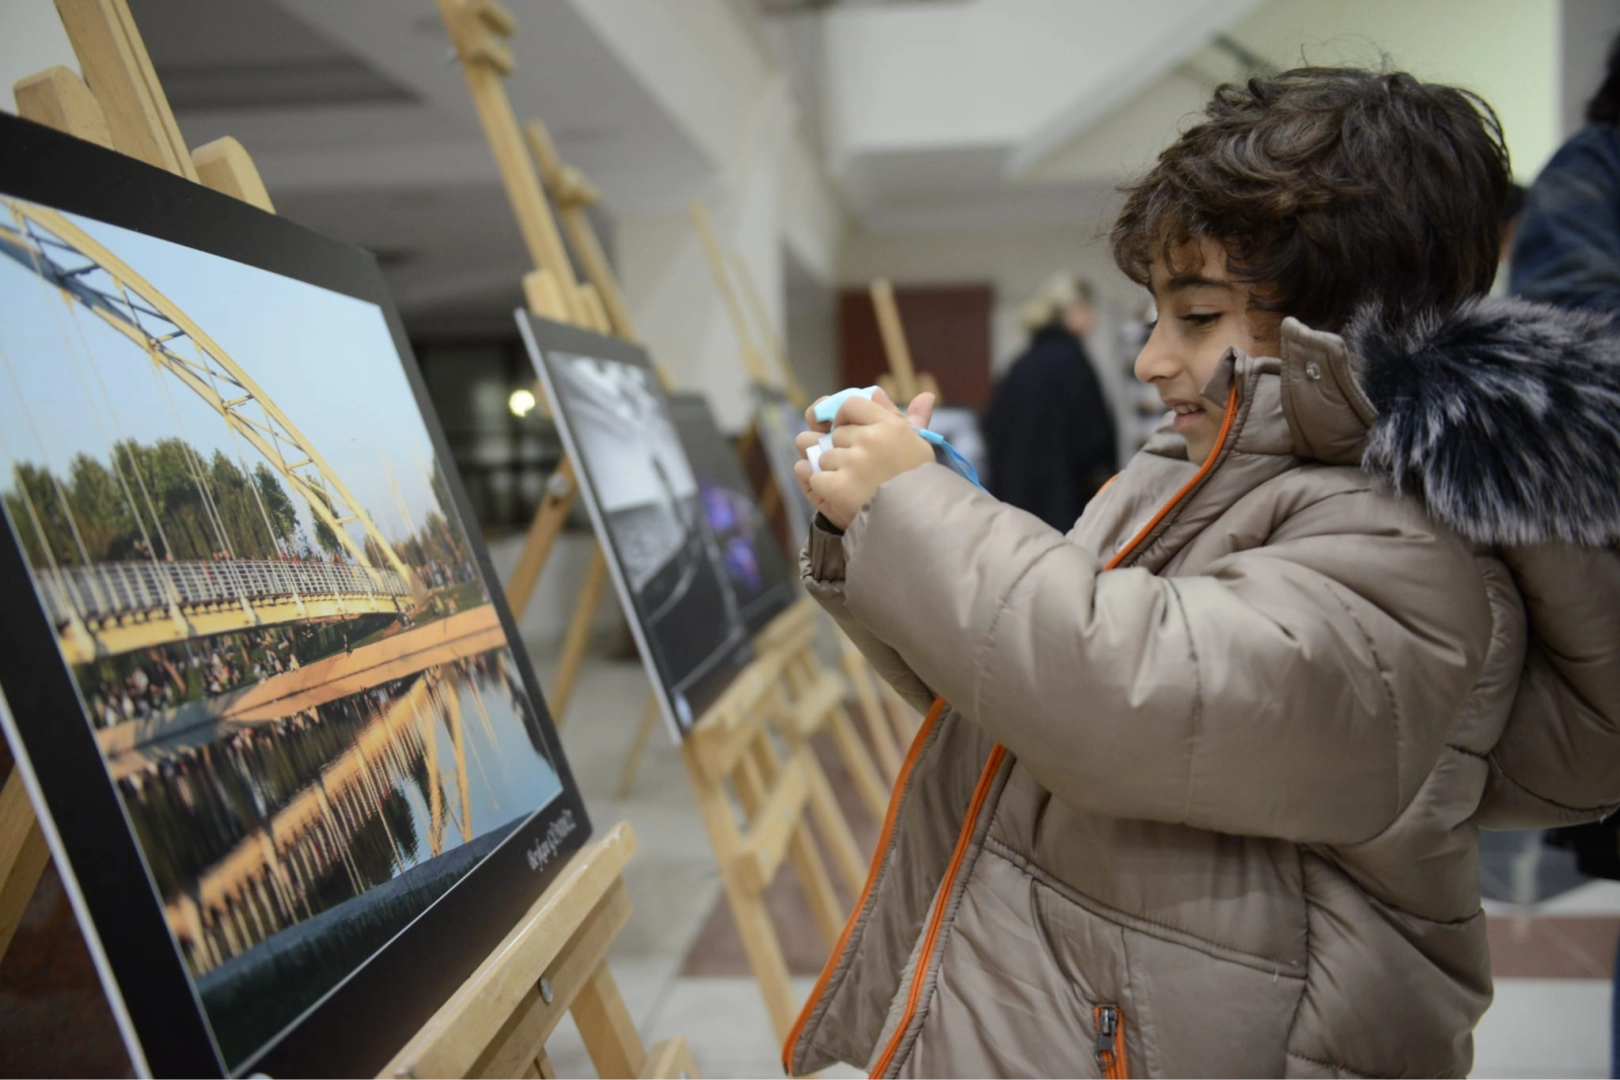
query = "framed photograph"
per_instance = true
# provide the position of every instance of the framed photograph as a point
(778, 422)
(259, 677)
(647, 508)
(754, 567)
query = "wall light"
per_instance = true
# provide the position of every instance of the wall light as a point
(521, 402)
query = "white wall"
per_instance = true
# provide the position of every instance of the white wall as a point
(31, 40)
(1504, 50)
(772, 196)
(812, 326)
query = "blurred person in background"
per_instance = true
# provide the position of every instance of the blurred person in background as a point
(1567, 248)
(1049, 429)
(1567, 252)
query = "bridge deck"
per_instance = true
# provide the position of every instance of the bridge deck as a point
(133, 605)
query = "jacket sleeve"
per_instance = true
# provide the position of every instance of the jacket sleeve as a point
(1558, 759)
(1302, 689)
(821, 565)
(1567, 247)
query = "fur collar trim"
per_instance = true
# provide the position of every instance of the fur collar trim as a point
(1503, 417)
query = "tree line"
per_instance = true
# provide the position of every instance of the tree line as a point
(166, 500)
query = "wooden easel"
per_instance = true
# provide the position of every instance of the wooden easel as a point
(903, 382)
(477, 27)
(731, 753)
(553, 960)
(890, 728)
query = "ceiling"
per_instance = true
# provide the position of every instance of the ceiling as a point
(362, 127)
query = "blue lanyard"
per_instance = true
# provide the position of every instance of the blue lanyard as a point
(953, 457)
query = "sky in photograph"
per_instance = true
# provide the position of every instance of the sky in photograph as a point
(326, 359)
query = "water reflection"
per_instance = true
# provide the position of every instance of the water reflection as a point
(269, 826)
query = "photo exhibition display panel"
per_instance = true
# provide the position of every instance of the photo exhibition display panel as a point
(778, 422)
(287, 747)
(754, 567)
(644, 497)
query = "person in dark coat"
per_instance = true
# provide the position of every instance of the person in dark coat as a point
(1567, 247)
(1049, 429)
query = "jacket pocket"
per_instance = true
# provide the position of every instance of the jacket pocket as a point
(1111, 1042)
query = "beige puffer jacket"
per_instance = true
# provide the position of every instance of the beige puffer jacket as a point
(1205, 799)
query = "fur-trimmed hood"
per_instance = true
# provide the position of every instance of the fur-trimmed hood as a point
(1503, 417)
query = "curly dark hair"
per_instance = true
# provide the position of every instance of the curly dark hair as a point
(1332, 188)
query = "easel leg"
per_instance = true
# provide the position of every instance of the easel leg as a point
(747, 907)
(605, 1026)
(671, 1058)
(873, 791)
(834, 827)
(638, 746)
(825, 907)
(878, 725)
(579, 636)
(543, 532)
(23, 856)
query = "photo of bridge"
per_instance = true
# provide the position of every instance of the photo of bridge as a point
(247, 552)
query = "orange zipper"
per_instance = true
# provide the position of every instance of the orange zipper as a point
(1111, 1042)
(866, 890)
(980, 793)
(1203, 470)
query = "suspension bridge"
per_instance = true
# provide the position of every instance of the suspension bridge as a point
(105, 608)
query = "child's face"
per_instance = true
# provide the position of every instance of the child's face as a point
(1202, 313)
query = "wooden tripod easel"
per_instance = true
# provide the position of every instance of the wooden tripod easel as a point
(553, 960)
(734, 753)
(889, 728)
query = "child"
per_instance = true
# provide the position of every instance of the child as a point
(1201, 789)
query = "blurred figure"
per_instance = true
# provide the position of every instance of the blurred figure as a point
(1049, 430)
(1567, 251)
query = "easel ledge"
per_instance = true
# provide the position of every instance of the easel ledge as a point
(498, 1022)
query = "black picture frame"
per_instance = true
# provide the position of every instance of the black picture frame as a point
(690, 630)
(360, 1023)
(752, 557)
(777, 421)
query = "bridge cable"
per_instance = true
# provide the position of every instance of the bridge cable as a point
(252, 480)
(154, 349)
(44, 457)
(190, 456)
(27, 497)
(89, 359)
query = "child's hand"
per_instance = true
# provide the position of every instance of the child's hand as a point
(872, 444)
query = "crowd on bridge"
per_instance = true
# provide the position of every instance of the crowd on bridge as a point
(138, 685)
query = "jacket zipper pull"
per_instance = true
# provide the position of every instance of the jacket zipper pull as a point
(1107, 1025)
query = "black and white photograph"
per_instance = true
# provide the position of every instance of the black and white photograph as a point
(778, 422)
(667, 560)
(267, 610)
(754, 567)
